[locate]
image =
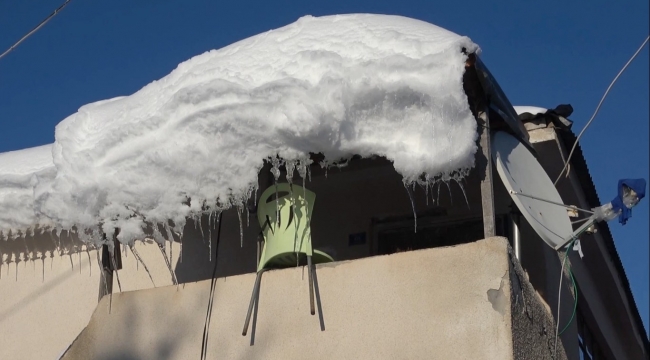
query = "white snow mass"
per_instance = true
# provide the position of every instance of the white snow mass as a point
(20, 171)
(530, 109)
(337, 85)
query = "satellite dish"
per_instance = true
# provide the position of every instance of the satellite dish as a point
(531, 189)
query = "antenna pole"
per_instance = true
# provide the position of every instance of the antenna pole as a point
(515, 234)
(590, 221)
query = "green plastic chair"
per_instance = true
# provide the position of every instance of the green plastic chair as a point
(285, 224)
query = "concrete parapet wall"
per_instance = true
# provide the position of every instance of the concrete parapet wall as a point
(441, 303)
(45, 304)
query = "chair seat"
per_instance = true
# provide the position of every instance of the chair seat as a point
(288, 259)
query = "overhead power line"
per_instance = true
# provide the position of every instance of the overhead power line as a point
(566, 163)
(36, 28)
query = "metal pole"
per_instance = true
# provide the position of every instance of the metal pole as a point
(485, 173)
(516, 235)
(106, 277)
(551, 202)
(592, 220)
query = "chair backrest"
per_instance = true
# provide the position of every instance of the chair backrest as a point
(284, 213)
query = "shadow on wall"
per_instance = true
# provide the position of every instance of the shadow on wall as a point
(40, 291)
(39, 244)
(237, 253)
(132, 349)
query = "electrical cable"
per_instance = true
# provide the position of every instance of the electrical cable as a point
(208, 316)
(575, 292)
(40, 25)
(566, 163)
(575, 302)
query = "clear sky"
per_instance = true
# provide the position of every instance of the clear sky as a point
(543, 53)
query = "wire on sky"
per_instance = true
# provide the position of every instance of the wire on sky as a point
(566, 163)
(35, 29)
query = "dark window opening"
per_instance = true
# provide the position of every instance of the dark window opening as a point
(587, 344)
(402, 237)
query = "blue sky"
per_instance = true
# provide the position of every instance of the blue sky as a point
(543, 53)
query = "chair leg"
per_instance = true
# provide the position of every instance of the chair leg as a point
(254, 326)
(320, 308)
(256, 288)
(311, 285)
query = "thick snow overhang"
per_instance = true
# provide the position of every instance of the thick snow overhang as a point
(20, 172)
(195, 140)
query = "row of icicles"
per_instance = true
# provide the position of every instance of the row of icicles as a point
(86, 240)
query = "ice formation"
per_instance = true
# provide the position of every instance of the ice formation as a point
(195, 140)
(20, 172)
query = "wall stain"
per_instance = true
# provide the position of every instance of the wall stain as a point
(498, 298)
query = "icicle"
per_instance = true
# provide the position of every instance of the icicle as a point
(248, 217)
(90, 268)
(304, 195)
(295, 225)
(180, 250)
(291, 168)
(137, 256)
(117, 276)
(449, 188)
(27, 252)
(180, 238)
(79, 252)
(156, 234)
(169, 265)
(210, 235)
(275, 170)
(168, 231)
(275, 167)
(241, 227)
(171, 251)
(277, 205)
(71, 264)
(426, 193)
(43, 269)
(56, 246)
(462, 188)
(201, 227)
(415, 216)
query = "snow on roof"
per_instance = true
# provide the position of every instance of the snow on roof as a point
(337, 85)
(530, 109)
(20, 171)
